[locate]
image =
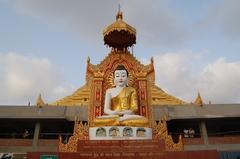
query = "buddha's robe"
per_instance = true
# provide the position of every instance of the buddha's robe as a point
(125, 100)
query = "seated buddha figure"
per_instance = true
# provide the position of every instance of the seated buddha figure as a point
(121, 106)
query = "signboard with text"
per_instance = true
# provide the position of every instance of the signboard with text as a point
(48, 157)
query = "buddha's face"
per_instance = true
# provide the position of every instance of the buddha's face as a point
(120, 78)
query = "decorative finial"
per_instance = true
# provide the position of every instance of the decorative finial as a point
(119, 7)
(88, 59)
(39, 102)
(152, 60)
(119, 35)
(198, 100)
(119, 15)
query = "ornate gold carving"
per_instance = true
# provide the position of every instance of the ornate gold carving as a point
(40, 102)
(103, 73)
(114, 58)
(100, 77)
(80, 133)
(119, 25)
(160, 132)
(198, 100)
(119, 35)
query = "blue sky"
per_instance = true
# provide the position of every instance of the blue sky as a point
(44, 45)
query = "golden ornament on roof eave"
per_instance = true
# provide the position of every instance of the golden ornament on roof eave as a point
(119, 34)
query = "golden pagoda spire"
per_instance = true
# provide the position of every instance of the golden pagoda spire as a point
(40, 102)
(119, 15)
(198, 100)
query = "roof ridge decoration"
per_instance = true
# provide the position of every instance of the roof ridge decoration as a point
(40, 102)
(198, 100)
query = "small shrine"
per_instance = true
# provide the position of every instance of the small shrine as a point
(120, 92)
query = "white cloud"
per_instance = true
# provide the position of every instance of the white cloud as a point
(217, 82)
(87, 18)
(22, 78)
(224, 17)
(220, 81)
(156, 22)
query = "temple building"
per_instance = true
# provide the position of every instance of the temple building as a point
(159, 119)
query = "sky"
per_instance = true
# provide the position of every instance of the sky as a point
(44, 46)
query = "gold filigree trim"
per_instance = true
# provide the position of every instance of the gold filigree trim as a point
(119, 25)
(160, 131)
(80, 133)
(198, 100)
(40, 102)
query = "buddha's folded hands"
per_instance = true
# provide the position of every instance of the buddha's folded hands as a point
(128, 117)
(108, 116)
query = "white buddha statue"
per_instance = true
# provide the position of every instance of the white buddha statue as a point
(121, 106)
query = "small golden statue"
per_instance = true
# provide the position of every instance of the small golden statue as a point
(121, 106)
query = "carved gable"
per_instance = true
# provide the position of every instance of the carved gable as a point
(104, 72)
(101, 78)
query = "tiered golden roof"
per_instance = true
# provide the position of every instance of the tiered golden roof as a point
(119, 35)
